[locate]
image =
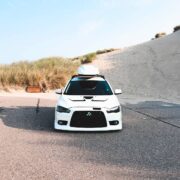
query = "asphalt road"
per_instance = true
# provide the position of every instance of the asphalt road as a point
(147, 148)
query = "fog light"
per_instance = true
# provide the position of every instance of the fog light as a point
(61, 122)
(114, 122)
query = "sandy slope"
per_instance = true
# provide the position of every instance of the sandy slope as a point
(149, 69)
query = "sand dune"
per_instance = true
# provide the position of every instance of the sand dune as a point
(149, 69)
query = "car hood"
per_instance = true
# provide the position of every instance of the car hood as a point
(70, 101)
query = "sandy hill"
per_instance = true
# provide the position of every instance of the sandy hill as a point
(149, 69)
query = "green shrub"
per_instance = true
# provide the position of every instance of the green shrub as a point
(177, 28)
(88, 58)
(161, 34)
(105, 51)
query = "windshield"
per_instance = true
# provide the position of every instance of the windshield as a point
(85, 87)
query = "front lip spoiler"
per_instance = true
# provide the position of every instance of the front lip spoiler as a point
(78, 100)
(112, 128)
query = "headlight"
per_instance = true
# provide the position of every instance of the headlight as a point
(62, 109)
(114, 110)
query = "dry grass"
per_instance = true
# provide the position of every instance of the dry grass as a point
(48, 73)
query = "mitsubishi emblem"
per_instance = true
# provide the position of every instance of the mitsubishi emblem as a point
(88, 114)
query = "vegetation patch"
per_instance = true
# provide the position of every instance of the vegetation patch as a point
(48, 73)
(88, 58)
(105, 51)
(177, 28)
(161, 34)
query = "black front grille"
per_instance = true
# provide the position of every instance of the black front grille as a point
(88, 119)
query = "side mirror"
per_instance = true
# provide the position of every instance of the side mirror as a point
(58, 91)
(117, 91)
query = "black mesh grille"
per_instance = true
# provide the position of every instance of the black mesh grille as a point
(88, 119)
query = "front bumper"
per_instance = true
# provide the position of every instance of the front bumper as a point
(68, 117)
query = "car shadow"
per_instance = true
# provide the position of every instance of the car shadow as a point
(28, 117)
(143, 144)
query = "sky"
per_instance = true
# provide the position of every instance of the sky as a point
(33, 29)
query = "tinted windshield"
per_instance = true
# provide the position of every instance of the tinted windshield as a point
(85, 87)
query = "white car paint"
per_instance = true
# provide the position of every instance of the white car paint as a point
(92, 111)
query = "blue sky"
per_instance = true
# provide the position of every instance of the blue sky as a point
(32, 29)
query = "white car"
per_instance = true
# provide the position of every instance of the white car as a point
(88, 103)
